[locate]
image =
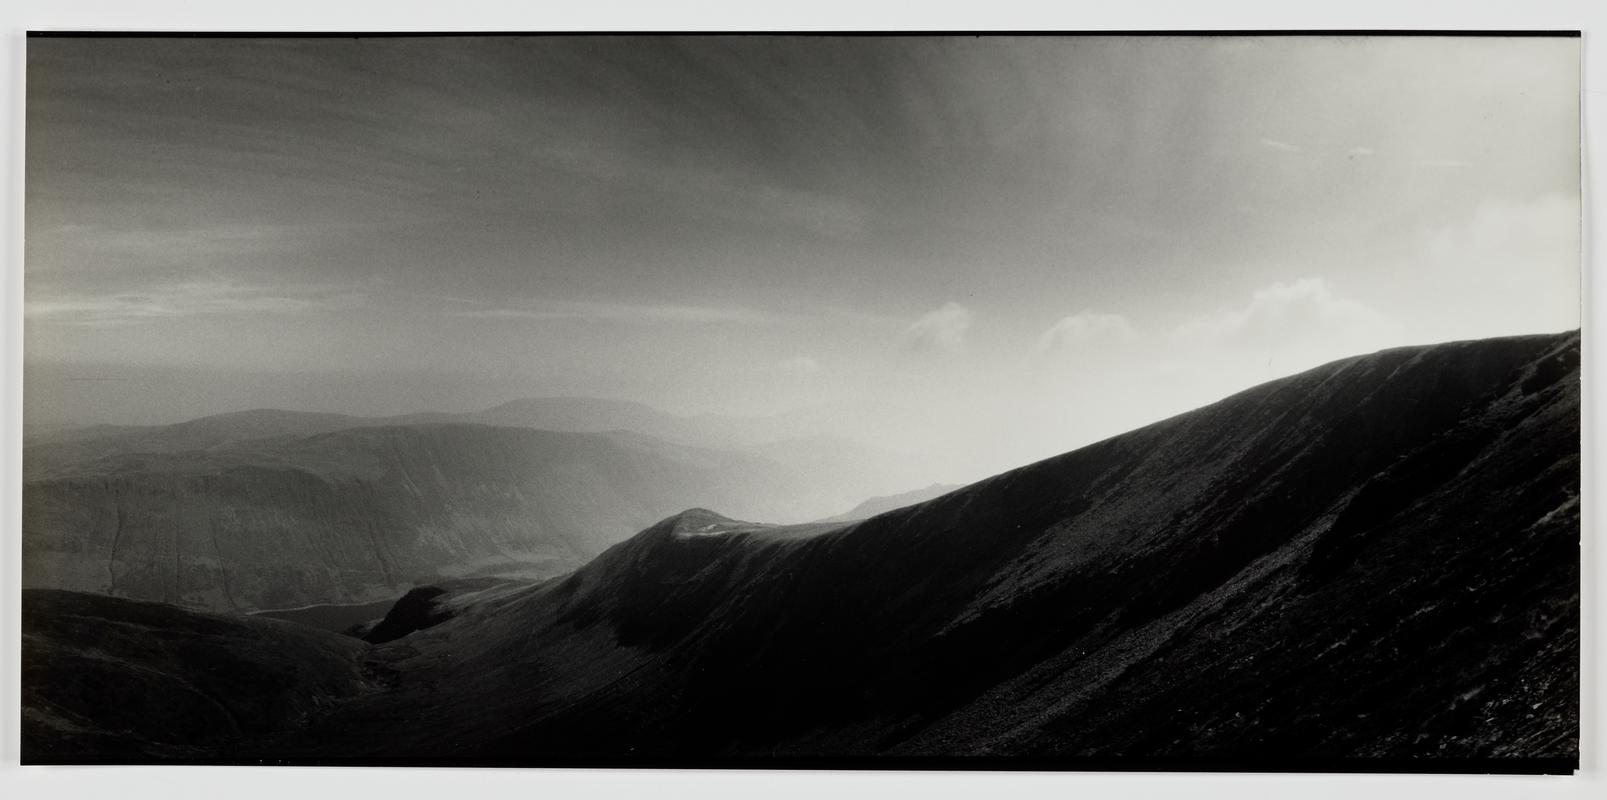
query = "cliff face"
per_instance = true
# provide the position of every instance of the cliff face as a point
(354, 515)
(1375, 559)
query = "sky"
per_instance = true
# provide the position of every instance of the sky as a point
(988, 249)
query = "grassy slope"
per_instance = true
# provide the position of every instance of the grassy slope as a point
(1375, 558)
(1378, 558)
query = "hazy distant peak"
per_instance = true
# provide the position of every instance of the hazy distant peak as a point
(885, 503)
(573, 401)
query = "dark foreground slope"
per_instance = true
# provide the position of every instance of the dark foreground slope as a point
(359, 514)
(105, 678)
(1377, 559)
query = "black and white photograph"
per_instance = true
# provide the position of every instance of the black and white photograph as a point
(1079, 401)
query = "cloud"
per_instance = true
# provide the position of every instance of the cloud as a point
(801, 366)
(720, 191)
(1509, 267)
(1084, 330)
(1282, 147)
(941, 331)
(1511, 233)
(838, 313)
(1291, 314)
(630, 313)
(1361, 152)
(212, 296)
(211, 240)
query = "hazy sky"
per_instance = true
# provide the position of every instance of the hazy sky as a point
(1006, 245)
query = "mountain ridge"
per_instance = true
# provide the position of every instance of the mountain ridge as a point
(356, 514)
(1374, 559)
(1034, 595)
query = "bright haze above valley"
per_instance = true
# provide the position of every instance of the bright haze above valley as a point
(987, 250)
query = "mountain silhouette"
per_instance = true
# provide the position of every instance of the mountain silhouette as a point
(1375, 559)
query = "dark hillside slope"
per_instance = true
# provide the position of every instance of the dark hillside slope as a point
(1374, 559)
(355, 515)
(105, 678)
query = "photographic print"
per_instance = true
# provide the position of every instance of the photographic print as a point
(1052, 402)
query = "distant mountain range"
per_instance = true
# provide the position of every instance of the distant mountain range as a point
(1374, 559)
(49, 449)
(272, 509)
(358, 514)
(878, 505)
